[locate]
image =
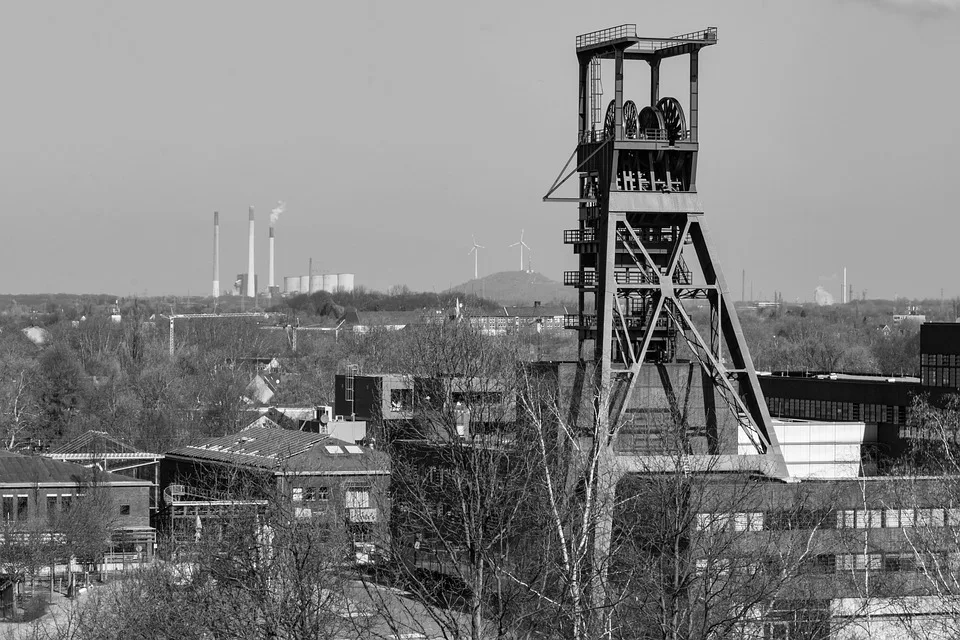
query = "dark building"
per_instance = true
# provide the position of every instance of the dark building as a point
(402, 406)
(940, 354)
(879, 401)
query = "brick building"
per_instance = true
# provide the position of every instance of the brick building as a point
(318, 475)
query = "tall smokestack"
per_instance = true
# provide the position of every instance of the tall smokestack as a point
(274, 216)
(270, 284)
(216, 254)
(843, 294)
(251, 268)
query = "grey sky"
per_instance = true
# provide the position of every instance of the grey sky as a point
(394, 130)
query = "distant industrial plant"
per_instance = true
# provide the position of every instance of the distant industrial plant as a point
(247, 285)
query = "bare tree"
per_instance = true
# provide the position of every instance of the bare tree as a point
(462, 484)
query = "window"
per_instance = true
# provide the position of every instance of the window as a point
(869, 519)
(846, 518)
(824, 563)
(401, 399)
(298, 494)
(124, 509)
(930, 517)
(953, 517)
(906, 517)
(51, 505)
(316, 494)
(22, 508)
(65, 501)
(357, 498)
(749, 521)
(7, 508)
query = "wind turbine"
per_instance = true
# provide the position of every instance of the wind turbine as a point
(476, 255)
(522, 244)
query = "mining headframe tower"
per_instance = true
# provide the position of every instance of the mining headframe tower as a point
(646, 261)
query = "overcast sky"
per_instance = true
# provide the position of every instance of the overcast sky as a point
(393, 130)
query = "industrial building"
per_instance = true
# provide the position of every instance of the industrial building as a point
(329, 282)
(40, 497)
(248, 284)
(320, 476)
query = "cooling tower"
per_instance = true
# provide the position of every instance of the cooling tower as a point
(304, 284)
(291, 284)
(329, 282)
(345, 281)
(316, 284)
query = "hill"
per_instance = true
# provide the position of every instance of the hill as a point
(517, 288)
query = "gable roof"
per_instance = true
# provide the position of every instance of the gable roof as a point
(271, 448)
(19, 469)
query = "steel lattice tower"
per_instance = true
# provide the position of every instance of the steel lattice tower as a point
(651, 292)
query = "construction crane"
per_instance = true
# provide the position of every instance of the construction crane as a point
(173, 317)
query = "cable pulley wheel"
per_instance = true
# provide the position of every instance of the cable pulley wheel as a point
(676, 123)
(651, 123)
(630, 120)
(609, 122)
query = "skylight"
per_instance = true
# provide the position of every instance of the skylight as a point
(351, 448)
(332, 448)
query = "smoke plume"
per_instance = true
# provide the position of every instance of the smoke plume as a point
(276, 211)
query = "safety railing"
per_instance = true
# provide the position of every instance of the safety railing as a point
(656, 135)
(633, 276)
(604, 35)
(580, 278)
(576, 321)
(708, 35)
(576, 236)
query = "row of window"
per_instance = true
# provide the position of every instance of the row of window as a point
(354, 497)
(832, 410)
(932, 376)
(311, 494)
(16, 508)
(895, 561)
(840, 519)
(940, 359)
(897, 518)
(836, 563)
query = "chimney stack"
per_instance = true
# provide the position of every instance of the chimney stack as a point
(843, 294)
(251, 268)
(216, 254)
(270, 283)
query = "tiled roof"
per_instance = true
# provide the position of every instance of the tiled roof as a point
(272, 448)
(20, 469)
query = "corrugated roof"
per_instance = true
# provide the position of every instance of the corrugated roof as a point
(284, 450)
(20, 469)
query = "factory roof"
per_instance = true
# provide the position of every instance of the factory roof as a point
(16, 469)
(93, 442)
(284, 451)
